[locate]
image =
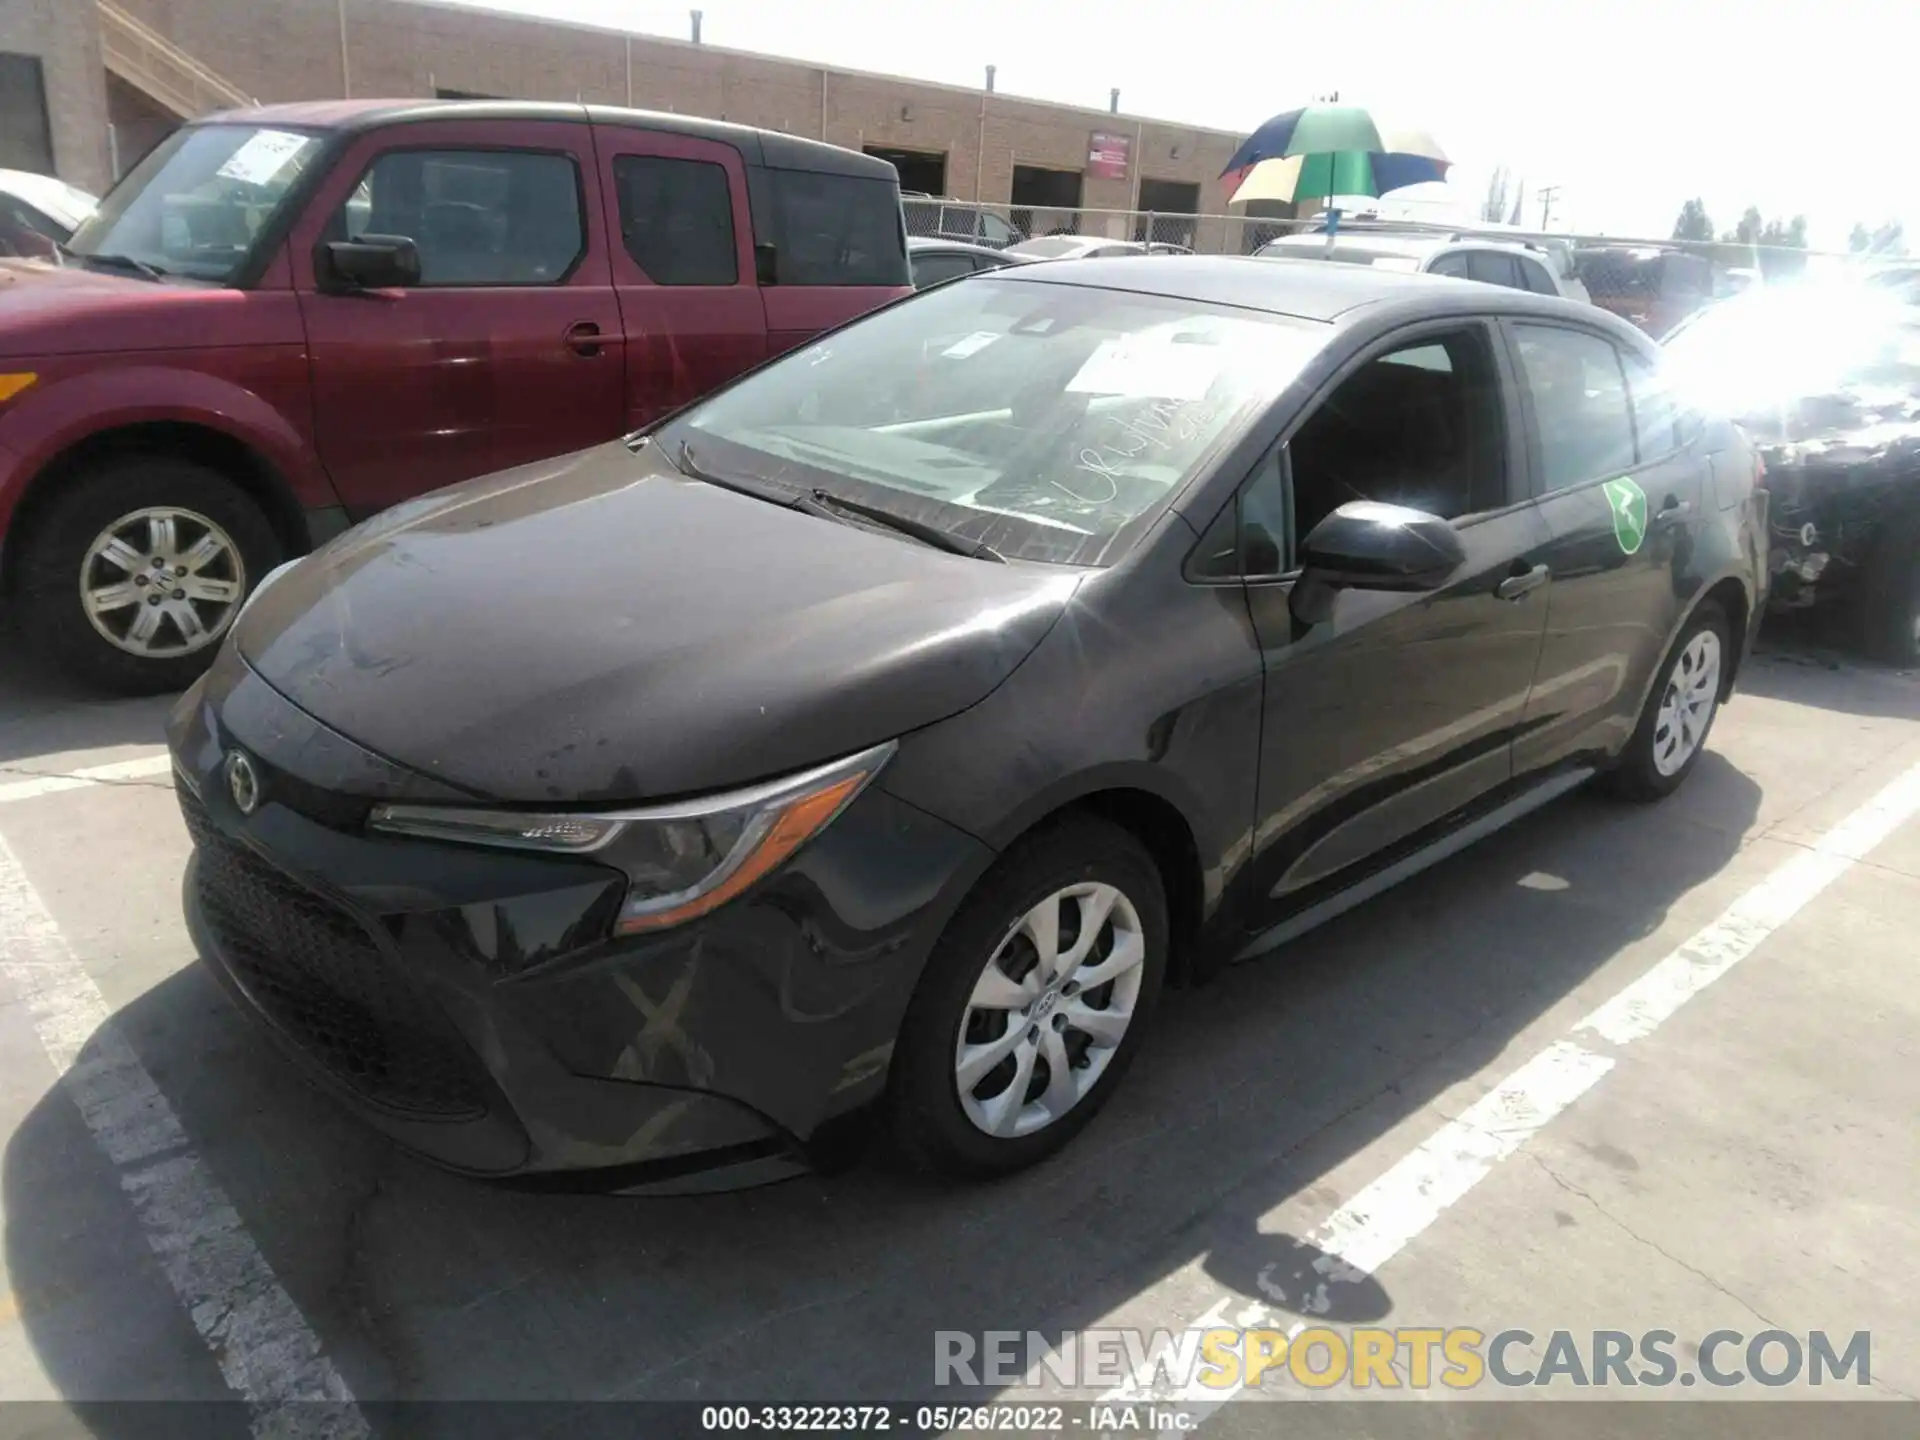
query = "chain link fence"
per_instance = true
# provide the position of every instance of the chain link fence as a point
(1653, 283)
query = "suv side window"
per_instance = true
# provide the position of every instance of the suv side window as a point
(1580, 404)
(837, 230)
(1494, 268)
(478, 217)
(995, 231)
(676, 219)
(1454, 265)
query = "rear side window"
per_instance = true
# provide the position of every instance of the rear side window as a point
(1656, 416)
(478, 217)
(1493, 268)
(676, 219)
(837, 230)
(1579, 403)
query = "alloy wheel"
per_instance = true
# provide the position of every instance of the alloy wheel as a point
(1687, 704)
(162, 582)
(1050, 1009)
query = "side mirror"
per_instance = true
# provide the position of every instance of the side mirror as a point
(373, 262)
(1365, 545)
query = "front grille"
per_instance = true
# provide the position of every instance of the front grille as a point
(325, 981)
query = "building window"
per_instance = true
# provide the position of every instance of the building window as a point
(26, 136)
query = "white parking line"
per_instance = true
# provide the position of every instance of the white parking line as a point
(145, 768)
(262, 1343)
(1380, 1221)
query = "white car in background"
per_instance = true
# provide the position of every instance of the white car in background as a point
(38, 212)
(1516, 264)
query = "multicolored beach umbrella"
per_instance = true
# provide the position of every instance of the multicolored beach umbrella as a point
(1322, 151)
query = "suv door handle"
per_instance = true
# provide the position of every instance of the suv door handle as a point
(583, 337)
(1673, 512)
(1516, 586)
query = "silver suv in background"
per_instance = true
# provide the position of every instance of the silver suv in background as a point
(1518, 265)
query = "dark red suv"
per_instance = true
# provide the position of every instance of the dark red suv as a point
(286, 319)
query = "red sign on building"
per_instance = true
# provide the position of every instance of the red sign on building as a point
(1107, 155)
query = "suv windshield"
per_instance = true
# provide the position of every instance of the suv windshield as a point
(195, 204)
(1051, 422)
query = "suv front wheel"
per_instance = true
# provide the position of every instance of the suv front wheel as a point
(135, 568)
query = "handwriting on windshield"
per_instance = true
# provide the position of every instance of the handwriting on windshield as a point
(1154, 427)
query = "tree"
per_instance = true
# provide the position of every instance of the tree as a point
(1792, 235)
(1859, 238)
(1890, 239)
(1499, 192)
(1694, 222)
(1747, 232)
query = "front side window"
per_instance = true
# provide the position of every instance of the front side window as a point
(837, 230)
(1656, 414)
(1454, 265)
(477, 217)
(1050, 421)
(1422, 425)
(676, 219)
(1579, 404)
(199, 200)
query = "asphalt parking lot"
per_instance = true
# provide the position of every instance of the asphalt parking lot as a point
(185, 1218)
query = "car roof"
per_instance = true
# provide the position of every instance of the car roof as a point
(1410, 246)
(55, 198)
(932, 245)
(766, 147)
(1314, 290)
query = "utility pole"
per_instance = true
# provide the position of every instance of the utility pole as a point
(1547, 192)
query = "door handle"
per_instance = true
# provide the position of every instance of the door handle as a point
(1516, 586)
(1673, 512)
(583, 337)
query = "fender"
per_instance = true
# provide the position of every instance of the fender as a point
(1731, 571)
(50, 418)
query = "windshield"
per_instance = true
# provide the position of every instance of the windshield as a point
(1052, 422)
(195, 204)
(1781, 345)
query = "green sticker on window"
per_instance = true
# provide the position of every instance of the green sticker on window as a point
(1629, 505)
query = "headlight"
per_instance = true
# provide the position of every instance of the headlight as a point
(681, 861)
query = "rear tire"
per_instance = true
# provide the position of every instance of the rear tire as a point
(980, 1088)
(1680, 709)
(96, 600)
(1890, 594)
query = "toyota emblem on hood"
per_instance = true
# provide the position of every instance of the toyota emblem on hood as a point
(243, 783)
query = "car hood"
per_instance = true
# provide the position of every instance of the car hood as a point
(600, 628)
(49, 309)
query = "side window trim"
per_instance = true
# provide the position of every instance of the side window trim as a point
(335, 226)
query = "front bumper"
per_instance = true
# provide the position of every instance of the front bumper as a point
(473, 1005)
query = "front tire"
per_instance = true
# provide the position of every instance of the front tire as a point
(135, 568)
(1890, 594)
(1679, 714)
(1032, 1004)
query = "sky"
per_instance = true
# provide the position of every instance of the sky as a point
(1629, 107)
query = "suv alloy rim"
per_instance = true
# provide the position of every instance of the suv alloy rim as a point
(1693, 689)
(1050, 1009)
(162, 582)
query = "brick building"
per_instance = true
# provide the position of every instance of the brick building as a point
(119, 73)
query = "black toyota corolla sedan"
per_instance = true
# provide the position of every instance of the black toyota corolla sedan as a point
(884, 731)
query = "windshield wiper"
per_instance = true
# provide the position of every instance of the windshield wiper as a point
(817, 500)
(122, 262)
(828, 506)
